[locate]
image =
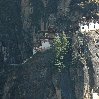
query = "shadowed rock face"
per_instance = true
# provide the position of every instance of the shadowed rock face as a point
(10, 30)
(31, 80)
(20, 20)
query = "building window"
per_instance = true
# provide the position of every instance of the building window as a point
(94, 26)
(82, 27)
(31, 10)
(88, 26)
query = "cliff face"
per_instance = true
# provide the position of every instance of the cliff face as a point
(36, 79)
(20, 22)
(10, 27)
(32, 80)
(15, 45)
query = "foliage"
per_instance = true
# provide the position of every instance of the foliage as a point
(60, 43)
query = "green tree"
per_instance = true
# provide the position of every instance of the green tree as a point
(60, 43)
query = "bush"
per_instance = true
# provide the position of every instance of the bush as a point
(60, 43)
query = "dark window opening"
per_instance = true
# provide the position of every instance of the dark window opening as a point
(82, 27)
(88, 26)
(94, 26)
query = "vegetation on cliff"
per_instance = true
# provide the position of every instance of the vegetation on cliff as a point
(60, 43)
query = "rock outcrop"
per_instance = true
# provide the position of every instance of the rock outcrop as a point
(32, 80)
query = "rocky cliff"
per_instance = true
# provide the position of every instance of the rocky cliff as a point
(32, 80)
(20, 23)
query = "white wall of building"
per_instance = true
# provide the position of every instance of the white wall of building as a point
(92, 26)
(45, 45)
(83, 28)
(97, 25)
(89, 27)
(34, 51)
(95, 96)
